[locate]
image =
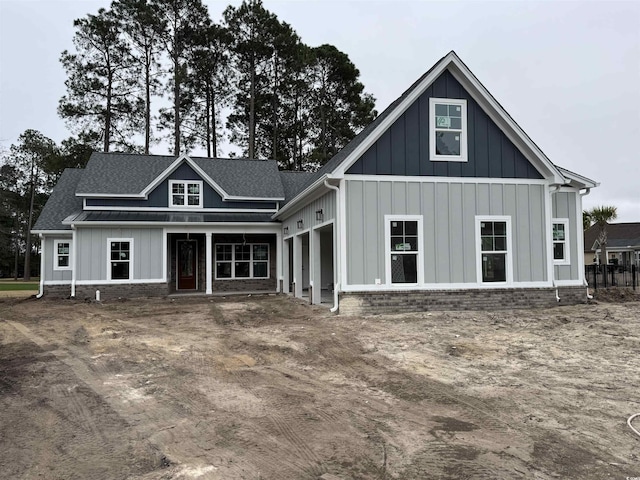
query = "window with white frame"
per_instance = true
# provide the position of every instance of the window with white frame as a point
(120, 258)
(243, 260)
(185, 193)
(403, 250)
(494, 250)
(448, 129)
(62, 255)
(560, 234)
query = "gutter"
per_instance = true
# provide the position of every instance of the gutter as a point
(338, 231)
(73, 260)
(553, 189)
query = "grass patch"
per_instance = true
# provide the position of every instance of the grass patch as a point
(18, 286)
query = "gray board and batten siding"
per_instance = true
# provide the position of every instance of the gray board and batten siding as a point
(564, 207)
(307, 214)
(159, 196)
(448, 237)
(92, 251)
(50, 274)
(404, 148)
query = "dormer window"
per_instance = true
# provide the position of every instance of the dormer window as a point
(447, 130)
(185, 193)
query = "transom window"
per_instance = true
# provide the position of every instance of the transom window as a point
(403, 250)
(250, 260)
(560, 244)
(447, 132)
(494, 250)
(185, 193)
(62, 251)
(120, 254)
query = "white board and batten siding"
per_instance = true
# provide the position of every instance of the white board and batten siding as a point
(563, 206)
(448, 236)
(307, 214)
(93, 251)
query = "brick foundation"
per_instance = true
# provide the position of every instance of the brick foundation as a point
(367, 303)
(108, 292)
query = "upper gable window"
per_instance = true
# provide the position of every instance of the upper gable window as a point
(185, 193)
(447, 130)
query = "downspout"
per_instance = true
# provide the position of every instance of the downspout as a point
(336, 287)
(42, 263)
(589, 297)
(73, 260)
(554, 190)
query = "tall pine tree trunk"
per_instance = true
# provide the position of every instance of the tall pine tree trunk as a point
(147, 106)
(214, 133)
(27, 253)
(208, 116)
(107, 113)
(252, 110)
(176, 102)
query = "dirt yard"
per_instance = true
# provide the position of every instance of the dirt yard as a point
(269, 388)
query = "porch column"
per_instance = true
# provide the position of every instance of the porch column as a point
(208, 253)
(297, 266)
(279, 248)
(285, 268)
(316, 267)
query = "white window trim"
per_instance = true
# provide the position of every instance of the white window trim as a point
(567, 259)
(57, 267)
(185, 182)
(509, 256)
(387, 249)
(432, 131)
(233, 260)
(131, 273)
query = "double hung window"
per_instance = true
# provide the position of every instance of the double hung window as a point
(250, 260)
(494, 250)
(560, 244)
(403, 250)
(120, 255)
(185, 193)
(448, 129)
(62, 252)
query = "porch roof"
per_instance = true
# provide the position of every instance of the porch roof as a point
(166, 217)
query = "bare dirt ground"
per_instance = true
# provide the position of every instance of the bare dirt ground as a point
(269, 388)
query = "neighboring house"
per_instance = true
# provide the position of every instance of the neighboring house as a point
(441, 202)
(623, 244)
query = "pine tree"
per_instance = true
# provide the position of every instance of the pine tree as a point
(142, 27)
(183, 22)
(101, 86)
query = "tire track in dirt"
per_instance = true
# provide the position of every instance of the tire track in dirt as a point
(301, 457)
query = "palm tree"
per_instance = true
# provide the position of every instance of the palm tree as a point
(586, 219)
(601, 216)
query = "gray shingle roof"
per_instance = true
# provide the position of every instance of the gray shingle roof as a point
(293, 182)
(61, 203)
(169, 217)
(619, 235)
(129, 174)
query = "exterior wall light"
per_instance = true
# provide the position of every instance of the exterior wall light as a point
(319, 215)
(300, 223)
(286, 230)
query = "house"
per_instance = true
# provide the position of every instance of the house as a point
(443, 201)
(623, 244)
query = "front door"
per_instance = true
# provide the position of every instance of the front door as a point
(187, 264)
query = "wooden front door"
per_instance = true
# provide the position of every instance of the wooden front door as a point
(186, 264)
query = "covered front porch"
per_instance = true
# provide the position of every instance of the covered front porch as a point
(223, 259)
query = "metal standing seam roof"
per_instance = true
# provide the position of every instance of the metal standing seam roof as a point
(62, 202)
(168, 217)
(130, 174)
